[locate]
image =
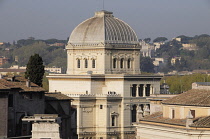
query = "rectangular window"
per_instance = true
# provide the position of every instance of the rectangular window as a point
(141, 89)
(113, 120)
(193, 113)
(78, 63)
(173, 114)
(148, 90)
(10, 101)
(134, 90)
(114, 63)
(86, 63)
(129, 63)
(133, 113)
(93, 63)
(101, 106)
(121, 63)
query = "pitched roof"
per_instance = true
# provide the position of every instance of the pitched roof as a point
(203, 83)
(12, 70)
(19, 82)
(194, 97)
(202, 122)
(158, 118)
(56, 96)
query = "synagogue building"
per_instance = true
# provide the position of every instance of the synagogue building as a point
(104, 79)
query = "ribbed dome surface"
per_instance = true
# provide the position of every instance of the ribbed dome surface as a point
(103, 28)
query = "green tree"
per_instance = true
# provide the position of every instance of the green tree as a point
(35, 69)
(179, 84)
(160, 39)
(147, 40)
(146, 64)
(177, 65)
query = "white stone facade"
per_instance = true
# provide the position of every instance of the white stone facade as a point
(104, 79)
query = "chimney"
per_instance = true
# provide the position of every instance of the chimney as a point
(28, 83)
(189, 119)
(13, 79)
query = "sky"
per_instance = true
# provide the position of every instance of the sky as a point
(46, 19)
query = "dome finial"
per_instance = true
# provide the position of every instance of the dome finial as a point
(103, 13)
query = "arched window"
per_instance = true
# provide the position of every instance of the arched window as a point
(121, 63)
(86, 63)
(113, 120)
(78, 63)
(93, 63)
(129, 63)
(114, 63)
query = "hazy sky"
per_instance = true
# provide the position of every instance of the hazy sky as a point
(45, 19)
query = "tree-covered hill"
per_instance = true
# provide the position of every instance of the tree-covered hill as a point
(190, 59)
(20, 52)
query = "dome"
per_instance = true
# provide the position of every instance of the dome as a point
(103, 28)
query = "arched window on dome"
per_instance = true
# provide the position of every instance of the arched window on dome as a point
(93, 63)
(115, 63)
(121, 63)
(129, 63)
(86, 63)
(78, 63)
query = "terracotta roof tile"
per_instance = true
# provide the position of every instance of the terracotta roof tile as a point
(194, 97)
(158, 118)
(19, 82)
(202, 122)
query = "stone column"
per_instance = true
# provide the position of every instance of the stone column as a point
(137, 90)
(144, 90)
(151, 89)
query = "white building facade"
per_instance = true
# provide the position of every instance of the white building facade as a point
(104, 79)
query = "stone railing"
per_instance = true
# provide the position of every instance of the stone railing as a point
(93, 95)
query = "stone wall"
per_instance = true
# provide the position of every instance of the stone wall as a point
(3, 115)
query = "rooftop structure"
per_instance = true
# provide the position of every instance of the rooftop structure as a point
(45, 126)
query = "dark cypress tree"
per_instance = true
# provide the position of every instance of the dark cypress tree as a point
(146, 64)
(35, 69)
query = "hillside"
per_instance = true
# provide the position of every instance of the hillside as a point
(19, 53)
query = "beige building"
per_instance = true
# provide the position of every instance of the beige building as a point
(185, 116)
(173, 60)
(189, 46)
(201, 85)
(52, 69)
(147, 49)
(104, 79)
